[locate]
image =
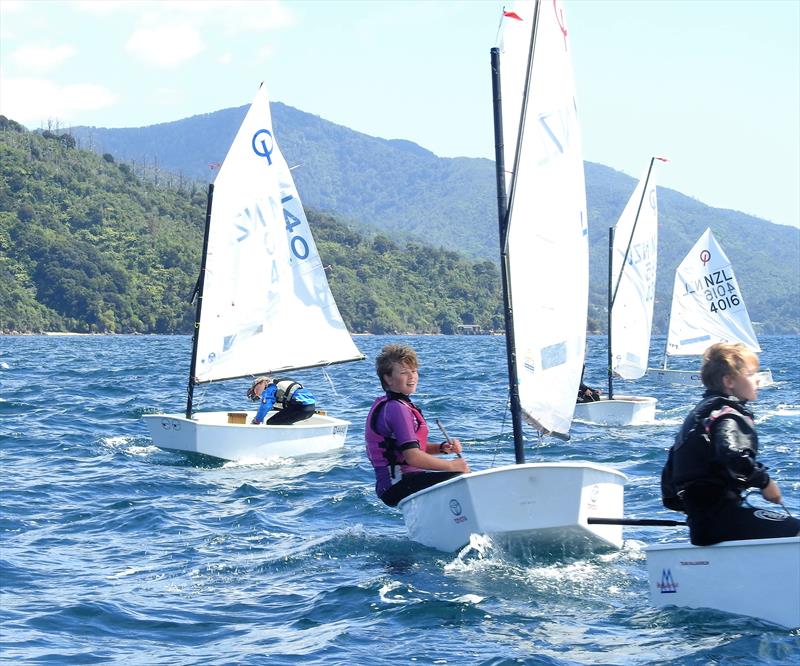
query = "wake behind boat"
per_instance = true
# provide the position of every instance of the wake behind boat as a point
(707, 307)
(264, 306)
(632, 261)
(544, 241)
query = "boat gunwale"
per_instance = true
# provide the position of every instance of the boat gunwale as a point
(329, 421)
(678, 545)
(515, 467)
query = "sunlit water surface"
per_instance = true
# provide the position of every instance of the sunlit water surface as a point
(115, 551)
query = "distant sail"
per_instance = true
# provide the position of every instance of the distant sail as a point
(632, 313)
(707, 305)
(548, 233)
(267, 306)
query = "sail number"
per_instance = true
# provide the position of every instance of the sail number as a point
(297, 243)
(720, 290)
(247, 222)
(722, 297)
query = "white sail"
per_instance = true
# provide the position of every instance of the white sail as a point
(266, 306)
(632, 311)
(548, 234)
(707, 306)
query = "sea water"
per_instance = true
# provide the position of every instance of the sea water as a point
(114, 551)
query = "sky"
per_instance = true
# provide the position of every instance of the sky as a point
(713, 85)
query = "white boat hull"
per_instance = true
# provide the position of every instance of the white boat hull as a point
(621, 410)
(692, 377)
(211, 434)
(537, 505)
(759, 578)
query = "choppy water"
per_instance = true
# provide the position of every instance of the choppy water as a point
(113, 551)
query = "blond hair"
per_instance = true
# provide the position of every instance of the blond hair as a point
(723, 359)
(391, 354)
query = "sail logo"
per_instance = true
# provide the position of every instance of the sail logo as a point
(562, 24)
(705, 257)
(667, 585)
(260, 141)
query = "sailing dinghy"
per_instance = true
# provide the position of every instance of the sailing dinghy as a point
(633, 247)
(264, 306)
(758, 577)
(707, 307)
(544, 241)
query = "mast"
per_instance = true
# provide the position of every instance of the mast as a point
(198, 292)
(633, 231)
(610, 307)
(502, 218)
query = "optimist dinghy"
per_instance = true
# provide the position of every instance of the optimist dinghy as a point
(632, 262)
(707, 307)
(260, 277)
(545, 265)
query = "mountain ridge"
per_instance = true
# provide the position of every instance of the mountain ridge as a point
(398, 188)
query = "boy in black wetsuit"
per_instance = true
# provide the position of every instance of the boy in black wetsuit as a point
(713, 460)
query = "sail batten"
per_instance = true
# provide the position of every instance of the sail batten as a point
(707, 305)
(547, 230)
(266, 300)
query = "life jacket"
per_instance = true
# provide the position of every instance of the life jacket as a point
(694, 462)
(387, 460)
(285, 389)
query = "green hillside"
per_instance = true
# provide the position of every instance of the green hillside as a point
(404, 191)
(86, 245)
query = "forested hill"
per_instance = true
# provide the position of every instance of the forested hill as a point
(86, 245)
(405, 191)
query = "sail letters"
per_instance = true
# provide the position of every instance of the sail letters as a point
(556, 133)
(718, 288)
(709, 280)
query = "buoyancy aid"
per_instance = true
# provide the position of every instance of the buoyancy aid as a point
(285, 388)
(382, 449)
(693, 460)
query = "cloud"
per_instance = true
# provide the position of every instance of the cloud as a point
(42, 58)
(228, 16)
(165, 46)
(105, 8)
(168, 33)
(13, 5)
(225, 59)
(31, 101)
(264, 53)
(233, 16)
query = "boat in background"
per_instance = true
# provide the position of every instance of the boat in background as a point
(544, 244)
(264, 306)
(759, 578)
(707, 307)
(632, 263)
